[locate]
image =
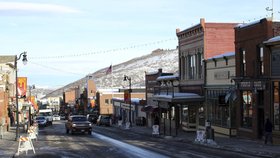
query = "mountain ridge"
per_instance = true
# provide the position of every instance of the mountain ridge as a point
(167, 60)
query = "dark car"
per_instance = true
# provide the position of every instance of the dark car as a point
(92, 118)
(78, 123)
(41, 121)
(104, 120)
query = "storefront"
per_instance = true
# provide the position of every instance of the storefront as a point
(179, 111)
(122, 111)
(220, 94)
(274, 111)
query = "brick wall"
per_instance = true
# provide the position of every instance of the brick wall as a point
(219, 39)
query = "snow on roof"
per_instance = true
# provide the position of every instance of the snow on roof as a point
(274, 39)
(247, 24)
(223, 55)
(133, 100)
(179, 96)
(169, 77)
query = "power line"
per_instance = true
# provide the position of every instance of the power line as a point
(56, 69)
(106, 51)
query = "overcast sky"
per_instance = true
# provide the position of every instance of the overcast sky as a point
(67, 39)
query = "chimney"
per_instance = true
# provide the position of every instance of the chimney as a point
(177, 30)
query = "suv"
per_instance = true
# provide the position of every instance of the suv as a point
(78, 123)
(92, 118)
(104, 120)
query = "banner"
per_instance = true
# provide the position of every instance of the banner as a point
(127, 96)
(33, 102)
(22, 86)
(92, 103)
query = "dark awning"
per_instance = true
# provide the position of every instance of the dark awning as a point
(149, 108)
(178, 97)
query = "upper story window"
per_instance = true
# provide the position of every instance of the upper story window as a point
(107, 101)
(243, 62)
(200, 62)
(261, 63)
(193, 67)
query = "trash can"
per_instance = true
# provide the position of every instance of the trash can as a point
(209, 131)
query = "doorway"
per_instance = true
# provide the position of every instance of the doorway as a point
(260, 122)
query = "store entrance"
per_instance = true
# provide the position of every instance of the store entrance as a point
(260, 122)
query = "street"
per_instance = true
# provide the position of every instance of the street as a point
(111, 142)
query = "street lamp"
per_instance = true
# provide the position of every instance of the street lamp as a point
(126, 78)
(24, 60)
(29, 109)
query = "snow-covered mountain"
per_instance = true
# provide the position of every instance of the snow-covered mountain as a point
(135, 68)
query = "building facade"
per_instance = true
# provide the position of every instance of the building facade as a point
(274, 46)
(151, 108)
(185, 109)
(255, 81)
(220, 97)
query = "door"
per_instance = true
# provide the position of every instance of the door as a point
(260, 122)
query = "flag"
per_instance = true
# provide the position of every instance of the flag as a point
(109, 70)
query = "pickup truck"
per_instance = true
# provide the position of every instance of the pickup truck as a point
(78, 123)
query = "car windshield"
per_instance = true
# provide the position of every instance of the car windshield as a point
(40, 118)
(79, 119)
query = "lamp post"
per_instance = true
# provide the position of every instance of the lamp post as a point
(30, 97)
(24, 60)
(126, 78)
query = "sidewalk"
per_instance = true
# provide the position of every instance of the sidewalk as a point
(251, 147)
(8, 145)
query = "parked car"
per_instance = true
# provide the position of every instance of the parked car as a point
(92, 118)
(41, 121)
(62, 117)
(104, 120)
(78, 123)
(56, 117)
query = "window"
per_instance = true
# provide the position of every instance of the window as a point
(246, 109)
(200, 59)
(243, 66)
(261, 64)
(193, 68)
(107, 101)
(276, 110)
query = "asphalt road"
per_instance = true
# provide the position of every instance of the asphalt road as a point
(167, 147)
(111, 142)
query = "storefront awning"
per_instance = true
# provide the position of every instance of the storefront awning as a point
(149, 108)
(178, 97)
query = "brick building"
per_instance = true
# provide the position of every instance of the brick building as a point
(254, 83)
(195, 44)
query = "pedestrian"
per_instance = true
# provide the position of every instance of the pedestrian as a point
(156, 120)
(268, 131)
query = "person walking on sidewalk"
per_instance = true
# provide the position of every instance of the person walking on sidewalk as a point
(268, 131)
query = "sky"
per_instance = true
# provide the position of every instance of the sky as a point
(65, 40)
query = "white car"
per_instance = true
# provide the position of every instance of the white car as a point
(56, 117)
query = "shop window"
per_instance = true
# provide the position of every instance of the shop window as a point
(247, 109)
(201, 115)
(189, 114)
(276, 110)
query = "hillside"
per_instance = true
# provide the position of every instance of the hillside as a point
(134, 68)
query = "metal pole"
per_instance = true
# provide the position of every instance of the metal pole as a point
(17, 130)
(29, 110)
(130, 101)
